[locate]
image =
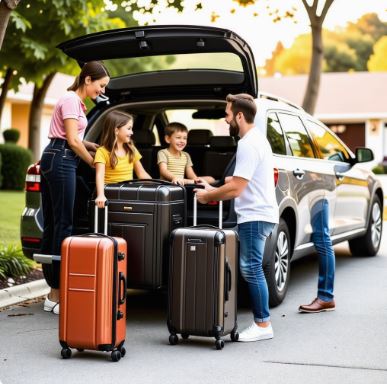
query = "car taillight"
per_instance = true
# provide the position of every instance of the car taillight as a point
(276, 174)
(33, 178)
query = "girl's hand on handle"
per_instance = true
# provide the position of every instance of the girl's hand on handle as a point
(100, 201)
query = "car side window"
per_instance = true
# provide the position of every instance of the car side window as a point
(330, 148)
(275, 135)
(296, 135)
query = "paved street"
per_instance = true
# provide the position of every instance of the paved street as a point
(345, 346)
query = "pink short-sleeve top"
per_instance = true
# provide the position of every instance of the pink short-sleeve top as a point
(69, 106)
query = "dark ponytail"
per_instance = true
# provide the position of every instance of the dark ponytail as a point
(95, 69)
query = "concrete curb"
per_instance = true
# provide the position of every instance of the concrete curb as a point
(19, 293)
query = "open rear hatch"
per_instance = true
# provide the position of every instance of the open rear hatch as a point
(169, 61)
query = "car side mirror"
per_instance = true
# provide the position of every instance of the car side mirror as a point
(364, 155)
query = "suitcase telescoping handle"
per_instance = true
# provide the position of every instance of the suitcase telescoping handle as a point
(195, 212)
(105, 221)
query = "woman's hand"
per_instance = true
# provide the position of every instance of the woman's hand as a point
(100, 201)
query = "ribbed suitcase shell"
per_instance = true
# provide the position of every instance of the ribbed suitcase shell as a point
(203, 263)
(144, 213)
(93, 293)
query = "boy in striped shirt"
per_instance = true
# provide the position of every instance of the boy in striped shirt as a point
(175, 165)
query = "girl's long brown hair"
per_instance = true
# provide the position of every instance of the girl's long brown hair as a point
(113, 120)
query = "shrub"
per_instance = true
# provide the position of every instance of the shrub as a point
(12, 262)
(11, 135)
(15, 159)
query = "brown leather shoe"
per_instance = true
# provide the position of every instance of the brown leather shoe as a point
(317, 306)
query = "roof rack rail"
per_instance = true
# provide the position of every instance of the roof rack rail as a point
(269, 96)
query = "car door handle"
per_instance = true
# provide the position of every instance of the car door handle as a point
(299, 173)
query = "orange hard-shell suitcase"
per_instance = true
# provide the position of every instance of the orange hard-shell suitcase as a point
(93, 293)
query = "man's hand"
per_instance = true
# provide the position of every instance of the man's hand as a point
(202, 196)
(203, 182)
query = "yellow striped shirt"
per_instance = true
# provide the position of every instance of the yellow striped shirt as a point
(175, 164)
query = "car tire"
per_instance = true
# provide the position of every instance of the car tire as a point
(277, 269)
(368, 245)
(48, 274)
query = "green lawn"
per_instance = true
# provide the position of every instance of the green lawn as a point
(11, 208)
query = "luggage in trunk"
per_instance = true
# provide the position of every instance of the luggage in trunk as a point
(144, 212)
(203, 282)
(93, 294)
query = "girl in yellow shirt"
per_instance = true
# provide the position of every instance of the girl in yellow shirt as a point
(116, 159)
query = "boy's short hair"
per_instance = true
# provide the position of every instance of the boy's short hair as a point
(244, 103)
(171, 128)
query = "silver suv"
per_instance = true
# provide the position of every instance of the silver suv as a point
(200, 66)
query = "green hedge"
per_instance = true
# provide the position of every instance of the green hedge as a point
(11, 135)
(16, 160)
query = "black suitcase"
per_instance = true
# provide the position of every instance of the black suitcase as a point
(202, 285)
(144, 212)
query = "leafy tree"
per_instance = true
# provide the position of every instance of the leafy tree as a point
(270, 64)
(6, 7)
(33, 34)
(378, 61)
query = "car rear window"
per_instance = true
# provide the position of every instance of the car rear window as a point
(186, 116)
(210, 60)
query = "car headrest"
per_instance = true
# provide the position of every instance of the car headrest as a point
(199, 137)
(222, 142)
(143, 138)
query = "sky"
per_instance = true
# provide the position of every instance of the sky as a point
(260, 32)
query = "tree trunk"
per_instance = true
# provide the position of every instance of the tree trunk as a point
(6, 8)
(4, 89)
(36, 115)
(312, 89)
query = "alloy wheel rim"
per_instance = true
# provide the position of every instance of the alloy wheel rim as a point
(376, 225)
(281, 262)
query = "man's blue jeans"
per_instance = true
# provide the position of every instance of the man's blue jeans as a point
(323, 244)
(58, 168)
(252, 237)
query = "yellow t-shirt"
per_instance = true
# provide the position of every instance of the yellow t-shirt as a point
(123, 170)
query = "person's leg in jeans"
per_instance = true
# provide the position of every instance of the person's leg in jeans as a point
(59, 193)
(323, 244)
(252, 236)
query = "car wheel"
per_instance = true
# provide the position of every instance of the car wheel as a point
(277, 270)
(368, 245)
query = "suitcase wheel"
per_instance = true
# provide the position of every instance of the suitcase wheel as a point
(65, 353)
(80, 349)
(219, 344)
(234, 336)
(173, 339)
(185, 336)
(116, 355)
(123, 351)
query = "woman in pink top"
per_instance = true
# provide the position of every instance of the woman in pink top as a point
(58, 167)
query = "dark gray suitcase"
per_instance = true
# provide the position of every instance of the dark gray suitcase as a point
(202, 284)
(144, 212)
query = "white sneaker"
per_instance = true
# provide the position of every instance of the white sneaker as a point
(51, 306)
(255, 333)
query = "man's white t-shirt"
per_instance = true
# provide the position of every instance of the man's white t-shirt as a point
(254, 162)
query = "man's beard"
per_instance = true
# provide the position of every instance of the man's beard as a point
(234, 128)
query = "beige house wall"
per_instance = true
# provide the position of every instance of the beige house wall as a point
(20, 114)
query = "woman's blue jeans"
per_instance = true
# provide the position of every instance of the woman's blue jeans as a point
(323, 244)
(252, 237)
(58, 167)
